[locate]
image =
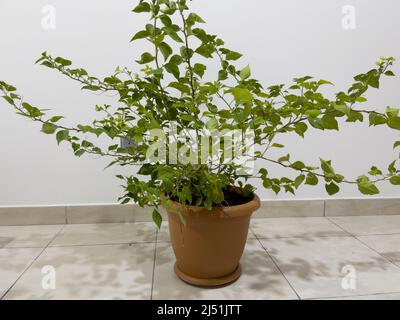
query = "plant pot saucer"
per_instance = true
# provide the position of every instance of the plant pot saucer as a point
(209, 282)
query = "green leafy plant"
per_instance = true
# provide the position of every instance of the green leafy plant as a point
(169, 85)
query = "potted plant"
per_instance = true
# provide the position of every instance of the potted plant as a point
(194, 135)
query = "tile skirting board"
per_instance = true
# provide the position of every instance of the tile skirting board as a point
(116, 213)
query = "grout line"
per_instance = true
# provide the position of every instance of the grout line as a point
(154, 267)
(387, 259)
(101, 244)
(364, 244)
(66, 215)
(324, 214)
(340, 227)
(306, 237)
(30, 265)
(276, 265)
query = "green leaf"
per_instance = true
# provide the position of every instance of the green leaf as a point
(298, 165)
(140, 35)
(300, 128)
(392, 112)
(173, 69)
(63, 62)
(231, 55)
(284, 158)
(199, 69)
(79, 152)
(329, 122)
(222, 75)
(395, 180)
(187, 194)
(392, 167)
(366, 186)
(342, 108)
(299, 180)
(375, 171)
(91, 88)
(193, 18)
(245, 73)
(396, 144)
(49, 128)
(165, 49)
(241, 95)
(354, 116)
(312, 179)
(212, 124)
(145, 58)
(332, 188)
(326, 167)
(180, 86)
(376, 119)
(206, 50)
(62, 135)
(394, 123)
(142, 7)
(157, 218)
(8, 99)
(56, 119)
(313, 113)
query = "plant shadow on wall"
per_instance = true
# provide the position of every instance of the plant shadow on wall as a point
(195, 141)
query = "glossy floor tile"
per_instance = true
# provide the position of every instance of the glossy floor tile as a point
(370, 225)
(291, 258)
(294, 227)
(13, 262)
(89, 272)
(27, 236)
(333, 267)
(260, 279)
(107, 233)
(387, 245)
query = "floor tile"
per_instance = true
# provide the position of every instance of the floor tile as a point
(370, 225)
(163, 233)
(319, 267)
(384, 296)
(105, 233)
(260, 279)
(27, 236)
(386, 245)
(90, 272)
(294, 227)
(13, 262)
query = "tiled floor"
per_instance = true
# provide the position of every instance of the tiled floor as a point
(285, 258)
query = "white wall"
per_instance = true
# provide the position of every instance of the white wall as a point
(280, 39)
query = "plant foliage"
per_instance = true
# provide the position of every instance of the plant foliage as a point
(169, 85)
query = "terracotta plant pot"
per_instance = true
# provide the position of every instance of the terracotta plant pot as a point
(208, 249)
